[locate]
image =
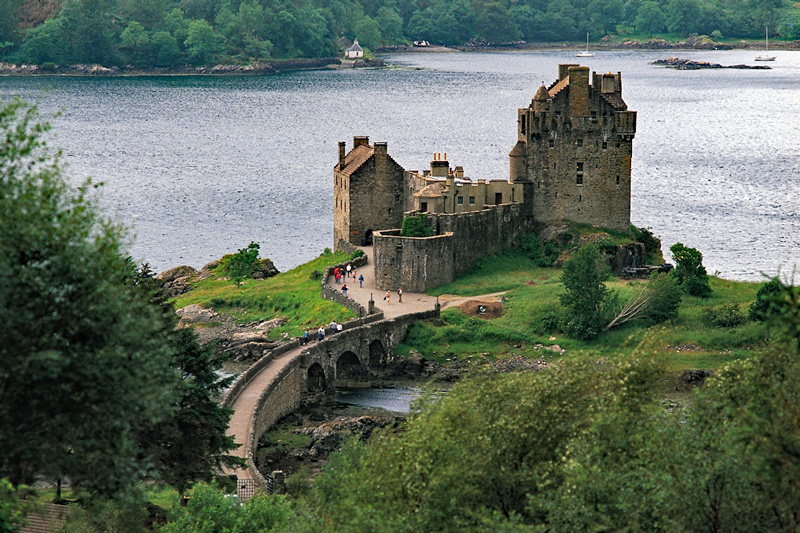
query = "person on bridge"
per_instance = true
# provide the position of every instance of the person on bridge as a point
(387, 296)
(305, 337)
(321, 333)
(400, 294)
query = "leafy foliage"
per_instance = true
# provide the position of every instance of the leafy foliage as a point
(766, 302)
(210, 509)
(416, 226)
(83, 357)
(657, 302)
(542, 254)
(585, 296)
(242, 264)
(174, 33)
(727, 315)
(690, 272)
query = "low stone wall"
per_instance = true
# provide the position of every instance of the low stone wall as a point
(247, 376)
(415, 263)
(330, 292)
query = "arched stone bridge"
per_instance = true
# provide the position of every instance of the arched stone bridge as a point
(293, 374)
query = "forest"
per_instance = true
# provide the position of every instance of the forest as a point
(171, 33)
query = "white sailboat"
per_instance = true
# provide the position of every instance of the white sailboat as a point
(585, 53)
(765, 56)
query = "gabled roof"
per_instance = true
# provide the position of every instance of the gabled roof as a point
(355, 47)
(357, 157)
(559, 86)
(615, 101)
(431, 191)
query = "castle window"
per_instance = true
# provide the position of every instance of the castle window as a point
(579, 173)
(552, 143)
(460, 200)
(605, 145)
(579, 198)
(471, 200)
(617, 179)
(594, 116)
(423, 207)
(522, 124)
(579, 143)
(558, 114)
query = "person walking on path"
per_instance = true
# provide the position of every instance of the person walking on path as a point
(400, 294)
(387, 296)
(360, 280)
(333, 327)
(344, 289)
(349, 268)
(336, 274)
(321, 333)
(305, 337)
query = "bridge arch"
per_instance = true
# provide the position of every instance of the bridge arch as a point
(349, 367)
(315, 379)
(376, 353)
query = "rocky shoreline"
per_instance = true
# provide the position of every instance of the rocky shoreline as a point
(257, 68)
(689, 64)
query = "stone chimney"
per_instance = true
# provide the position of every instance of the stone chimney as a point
(381, 157)
(563, 70)
(359, 141)
(342, 148)
(579, 91)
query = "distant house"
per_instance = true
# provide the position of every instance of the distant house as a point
(354, 52)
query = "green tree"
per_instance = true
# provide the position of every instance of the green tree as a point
(766, 303)
(83, 359)
(190, 444)
(416, 226)
(690, 272)
(494, 24)
(202, 43)
(368, 31)
(649, 18)
(209, 509)
(242, 264)
(585, 296)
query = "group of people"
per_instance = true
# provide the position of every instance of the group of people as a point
(334, 328)
(346, 273)
(388, 295)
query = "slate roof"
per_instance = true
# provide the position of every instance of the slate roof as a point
(48, 518)
(559, 86)
(355, 47)
(357, 157)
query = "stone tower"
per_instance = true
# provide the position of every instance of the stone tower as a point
(367, 192)
(573, 151)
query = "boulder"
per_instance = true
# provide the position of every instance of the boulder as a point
(194, 314)
(266, 269)
(172, 274)
(327, 438)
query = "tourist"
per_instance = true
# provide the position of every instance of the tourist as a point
(360, 281)
(349, 268)
(336, 274)
(387, 296)
(400, 294)
(321, 333)
(305, 337)
(333, 327)
(344, 289)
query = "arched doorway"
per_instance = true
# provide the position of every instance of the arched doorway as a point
(368, 238)
(376, 353)
(316, 378)
(349, 368)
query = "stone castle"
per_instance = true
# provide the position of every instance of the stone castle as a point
(572, 161)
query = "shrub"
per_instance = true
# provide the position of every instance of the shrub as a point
(547, 320)
(315, 274)
(357, 254)
(766, 302)
(416, 226)
(652, 244)
(690, 272)
(727, 315)
(542, 254)
(586, 298)
(242, 264)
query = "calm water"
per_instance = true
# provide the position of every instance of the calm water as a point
(198, 167)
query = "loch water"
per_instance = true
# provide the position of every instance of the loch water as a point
(200, 166)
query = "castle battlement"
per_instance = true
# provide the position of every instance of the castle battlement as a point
(572, 161)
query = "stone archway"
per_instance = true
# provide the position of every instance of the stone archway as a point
(376, 353)
(315, 378)
(349, 368)
(368, 238)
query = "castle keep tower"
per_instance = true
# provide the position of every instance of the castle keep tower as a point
(367, 192)
(573, 151)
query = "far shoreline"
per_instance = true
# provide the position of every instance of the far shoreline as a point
(277, 66)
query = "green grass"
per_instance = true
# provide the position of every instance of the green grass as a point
(532, 303)
(293, 295)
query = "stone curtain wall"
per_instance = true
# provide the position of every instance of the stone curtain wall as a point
(481, 233)
(414, 263)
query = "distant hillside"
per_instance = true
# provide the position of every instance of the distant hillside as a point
(175, 33)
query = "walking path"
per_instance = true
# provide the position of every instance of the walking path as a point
(244, 405)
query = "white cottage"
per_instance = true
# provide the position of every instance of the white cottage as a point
(354, 52)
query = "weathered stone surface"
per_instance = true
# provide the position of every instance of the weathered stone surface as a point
(172, 274)
(558, 234)
(266, 269)
(689, 64)
(327, 438)
(194, 314)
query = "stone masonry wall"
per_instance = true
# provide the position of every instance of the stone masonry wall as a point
(414, 263)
